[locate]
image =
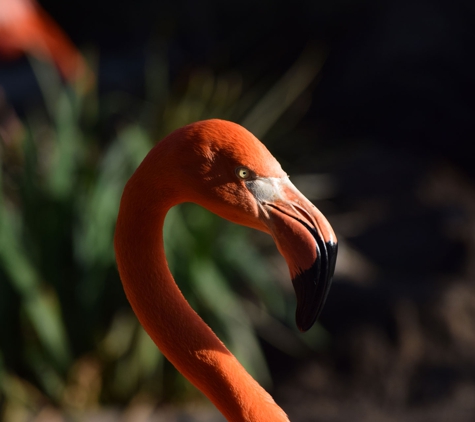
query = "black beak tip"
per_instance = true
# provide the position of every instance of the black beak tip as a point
(312, 286)
(304, 326)
(305, 318)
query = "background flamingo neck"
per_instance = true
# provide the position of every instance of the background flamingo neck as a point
(167, 317)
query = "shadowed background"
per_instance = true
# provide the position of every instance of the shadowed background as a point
(369, 106)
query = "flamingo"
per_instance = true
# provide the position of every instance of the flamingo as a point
(224, 168)
(26, 28)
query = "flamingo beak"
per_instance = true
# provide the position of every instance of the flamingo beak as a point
(305, 239)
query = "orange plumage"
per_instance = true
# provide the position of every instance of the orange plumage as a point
(26, 28)
(223, 167)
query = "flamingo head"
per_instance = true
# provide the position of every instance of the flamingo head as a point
(226, 169)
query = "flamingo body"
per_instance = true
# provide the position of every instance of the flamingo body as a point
(223, 167)
(26, 28)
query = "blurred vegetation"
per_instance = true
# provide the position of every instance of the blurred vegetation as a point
(389, 119)
(69, 337)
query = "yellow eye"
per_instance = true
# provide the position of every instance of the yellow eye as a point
(243, 172)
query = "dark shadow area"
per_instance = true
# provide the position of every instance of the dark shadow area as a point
(390, 120)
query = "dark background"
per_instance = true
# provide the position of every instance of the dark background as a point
(390, 120)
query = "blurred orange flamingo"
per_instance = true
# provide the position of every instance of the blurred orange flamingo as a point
(26, 28)
(224, 168)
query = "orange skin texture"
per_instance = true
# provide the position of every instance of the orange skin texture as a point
(26, 28)
(197, 164)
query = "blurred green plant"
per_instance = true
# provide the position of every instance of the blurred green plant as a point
(61, 302)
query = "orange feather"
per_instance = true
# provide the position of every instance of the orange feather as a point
(26, 28)
(201, 163)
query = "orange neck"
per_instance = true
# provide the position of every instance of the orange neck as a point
(174, 326)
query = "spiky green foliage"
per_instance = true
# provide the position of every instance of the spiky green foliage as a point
(61, 301)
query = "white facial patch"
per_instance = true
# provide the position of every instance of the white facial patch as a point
(267, 189)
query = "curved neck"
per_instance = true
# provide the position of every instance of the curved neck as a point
(174, 326)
